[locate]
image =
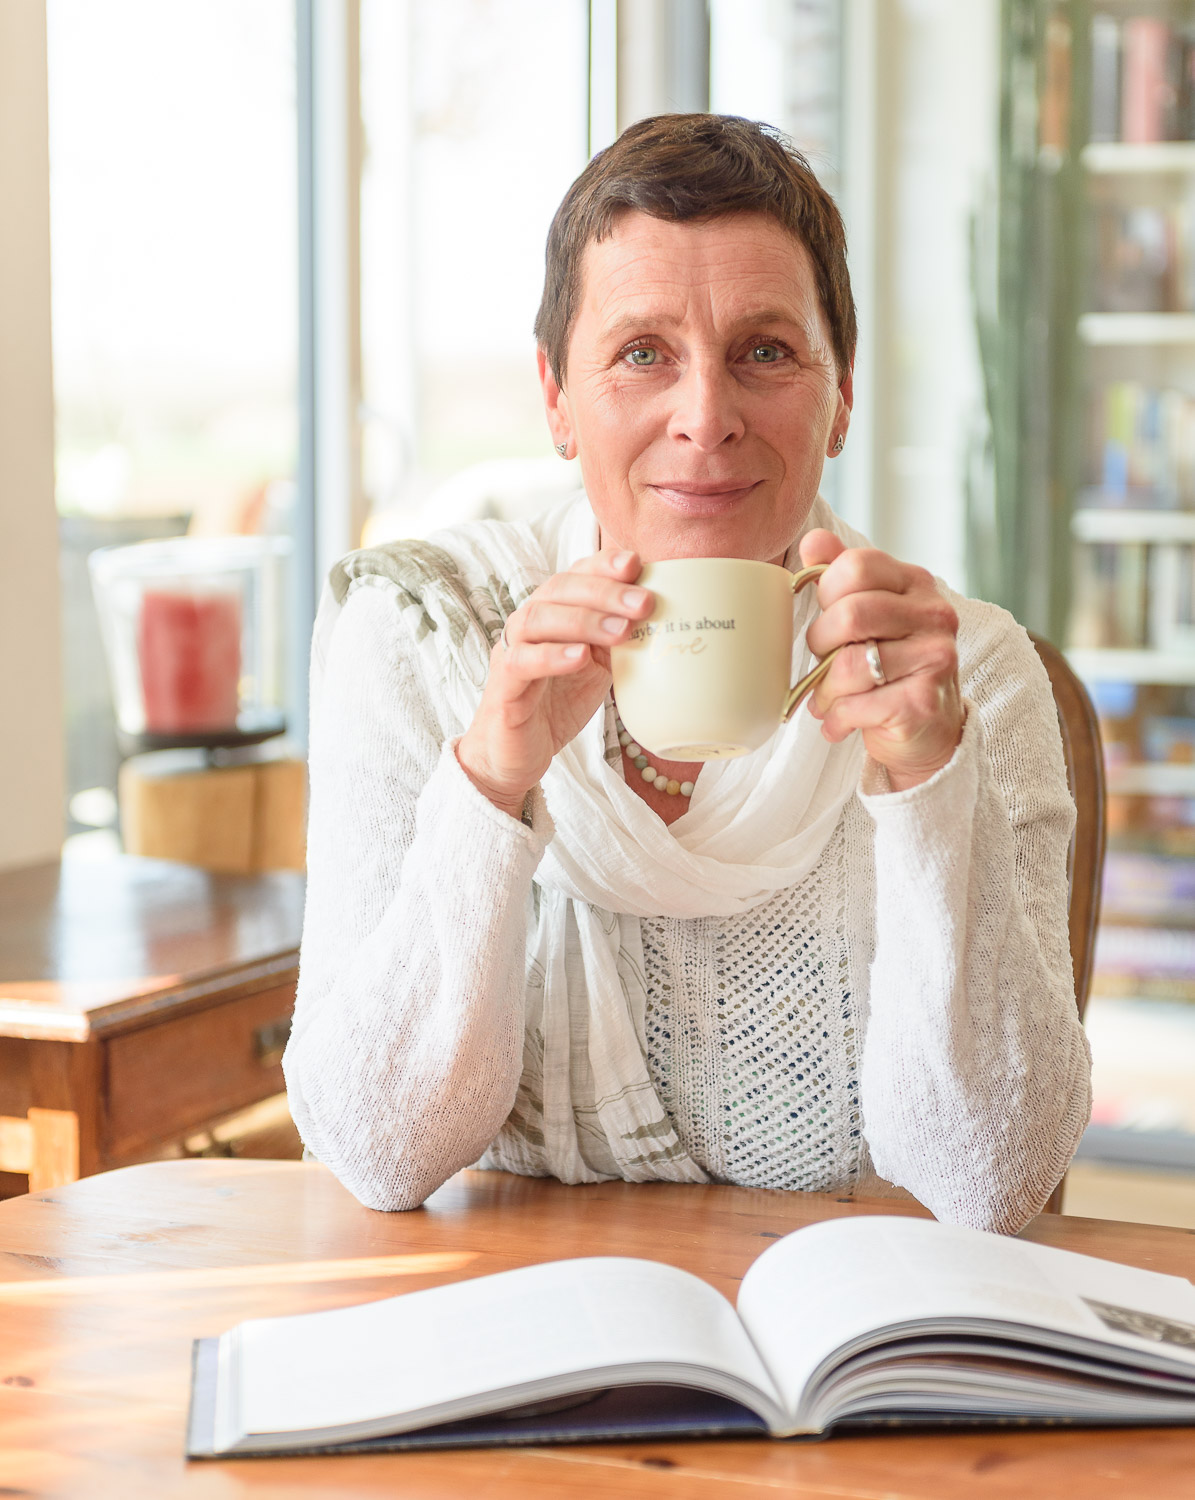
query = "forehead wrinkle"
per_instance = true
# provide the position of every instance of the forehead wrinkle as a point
(655, 285)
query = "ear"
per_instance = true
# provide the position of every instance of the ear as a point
(555, 406)
(846, 389)
(844, 407)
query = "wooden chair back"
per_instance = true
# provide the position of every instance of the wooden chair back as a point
(1084, 755)
(1083, 752)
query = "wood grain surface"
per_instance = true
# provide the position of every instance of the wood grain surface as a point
(139, 1001)
(103, 1285)
(87, 948)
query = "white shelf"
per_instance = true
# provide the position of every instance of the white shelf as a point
(1133, 525)
(1151, 780)
(1170, 667)
(1158, 156)
(1137, 328)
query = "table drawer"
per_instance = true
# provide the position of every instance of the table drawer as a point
(170, 1078)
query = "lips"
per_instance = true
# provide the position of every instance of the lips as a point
(704, 497)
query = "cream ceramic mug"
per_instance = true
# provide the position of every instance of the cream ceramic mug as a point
(706, 676)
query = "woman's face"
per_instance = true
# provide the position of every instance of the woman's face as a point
(701, 392)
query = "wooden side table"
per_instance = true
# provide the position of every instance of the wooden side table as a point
(140, 1001)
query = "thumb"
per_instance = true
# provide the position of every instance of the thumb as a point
(820, 547)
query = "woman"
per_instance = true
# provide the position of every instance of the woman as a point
(842, 956)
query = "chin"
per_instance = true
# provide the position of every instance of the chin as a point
(710, 538)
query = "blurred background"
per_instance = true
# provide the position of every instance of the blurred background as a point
(295, 252)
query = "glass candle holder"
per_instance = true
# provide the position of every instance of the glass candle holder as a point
(192, 631)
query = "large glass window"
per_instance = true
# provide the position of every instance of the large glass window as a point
(173, 218)
(780, 61)
(475, 115)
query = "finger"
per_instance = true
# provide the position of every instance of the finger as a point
(858, 570)
(900, 712)
(590, 591)
(851, 674)
(547, 620)
(876, 615)
(544, 619)
(612, 562)
(527, 662)
(819, 546)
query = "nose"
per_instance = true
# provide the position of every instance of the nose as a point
(706, 410)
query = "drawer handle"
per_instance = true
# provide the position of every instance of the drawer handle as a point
(269, 1042)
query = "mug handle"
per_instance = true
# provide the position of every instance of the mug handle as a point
(799, 691)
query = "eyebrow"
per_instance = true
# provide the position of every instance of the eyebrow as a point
(636, 322)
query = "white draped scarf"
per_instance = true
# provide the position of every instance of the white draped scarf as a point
(587, 1108)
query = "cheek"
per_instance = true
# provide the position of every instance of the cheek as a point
(800, 426)
(612, 416)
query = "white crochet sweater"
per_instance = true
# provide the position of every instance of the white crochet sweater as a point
(906, 1011)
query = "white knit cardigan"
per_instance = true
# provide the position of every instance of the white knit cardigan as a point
(904, 1015)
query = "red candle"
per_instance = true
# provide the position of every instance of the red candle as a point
(189, 651)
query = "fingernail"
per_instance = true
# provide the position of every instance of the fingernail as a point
(635, 598)
(573, 652)
(624, 560)
(613, 624)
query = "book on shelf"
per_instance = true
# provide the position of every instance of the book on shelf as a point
(1105, 78)
(1172, 598)
(1142, 79)
(872, 1321)
(1141, 442)
(1109, 608)
(1055, 110)
(1144, 888)
(1151, 81)
(1169, 740)
(1138, 952)
(1143, 258)
(1144, 962)
(1132, 595)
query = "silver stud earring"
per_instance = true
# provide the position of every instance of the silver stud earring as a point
(562, 449)
(839, 444)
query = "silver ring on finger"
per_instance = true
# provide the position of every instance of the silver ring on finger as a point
(874, 665)
(506, 646)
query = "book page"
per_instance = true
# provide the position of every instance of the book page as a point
(426, 1349)
(817, 1289)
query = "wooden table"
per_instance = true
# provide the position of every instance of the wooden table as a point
(139, 1001)
(103, 1285)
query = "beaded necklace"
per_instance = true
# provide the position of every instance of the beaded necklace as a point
(639, 760)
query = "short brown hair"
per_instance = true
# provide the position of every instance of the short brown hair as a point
(694, 167)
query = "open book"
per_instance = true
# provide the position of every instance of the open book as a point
(870, 1320)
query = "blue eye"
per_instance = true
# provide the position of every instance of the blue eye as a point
(766, 354)
(642, 356)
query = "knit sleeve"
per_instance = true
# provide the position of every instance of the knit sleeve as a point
(976, 1072)
(406, 1048)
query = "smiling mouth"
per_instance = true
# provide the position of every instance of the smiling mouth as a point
(704, 497)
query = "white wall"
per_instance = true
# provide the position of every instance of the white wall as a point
(31, 741)
(921, 114)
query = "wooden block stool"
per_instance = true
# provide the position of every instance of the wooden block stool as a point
(242, 816)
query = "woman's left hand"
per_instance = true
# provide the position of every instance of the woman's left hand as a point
(912, 723)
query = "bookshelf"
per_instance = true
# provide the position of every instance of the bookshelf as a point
(1149, 158)
(1152, 781)
(1145, 328)
(1127, 236)
(1082, 522)
(1096, 523)
(1118, 664)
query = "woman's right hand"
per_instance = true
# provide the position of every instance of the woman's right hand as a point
(547, 682)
